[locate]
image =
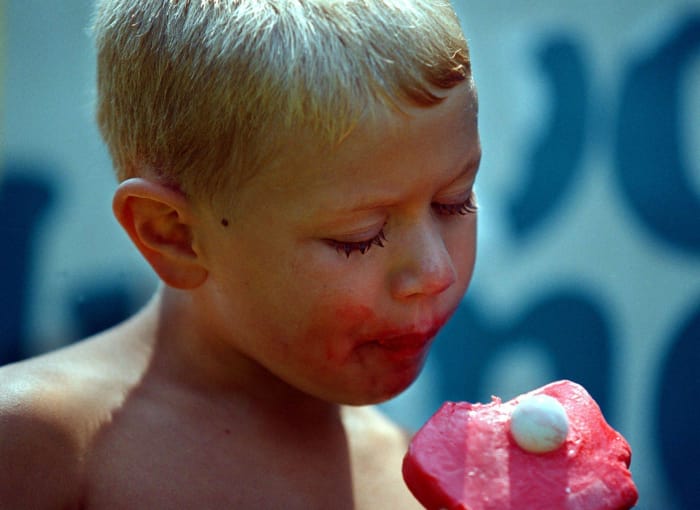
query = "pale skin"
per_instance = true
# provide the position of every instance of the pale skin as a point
(246, 382)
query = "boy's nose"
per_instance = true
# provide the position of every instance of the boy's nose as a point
(424, 266)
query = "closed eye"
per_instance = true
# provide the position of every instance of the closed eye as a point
(348, 247)
(469, 206)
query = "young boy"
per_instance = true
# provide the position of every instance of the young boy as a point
(299, 174)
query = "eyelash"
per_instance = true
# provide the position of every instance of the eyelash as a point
(361, 246)
(469, 206)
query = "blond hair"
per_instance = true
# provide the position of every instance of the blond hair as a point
(201, 92)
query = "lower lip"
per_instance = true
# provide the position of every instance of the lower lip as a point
(408, 346)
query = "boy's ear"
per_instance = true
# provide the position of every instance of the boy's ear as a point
(158, 221)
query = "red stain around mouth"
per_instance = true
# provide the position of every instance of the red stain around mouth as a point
(372, 329)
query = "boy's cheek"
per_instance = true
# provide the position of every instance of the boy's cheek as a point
(339, 317)
(348, 313)
(345, 325)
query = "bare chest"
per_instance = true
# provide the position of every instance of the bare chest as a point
(224, 479)
(170, 470)
(187, 452)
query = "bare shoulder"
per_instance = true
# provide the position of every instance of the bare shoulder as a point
(39, 450)
(377, 447)
(49, 407)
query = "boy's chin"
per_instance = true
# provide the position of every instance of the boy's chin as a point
(363, 383)
(375, 396)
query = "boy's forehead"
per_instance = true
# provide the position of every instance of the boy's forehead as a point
(305, 160)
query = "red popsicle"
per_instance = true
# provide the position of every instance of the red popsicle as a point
(466, 458)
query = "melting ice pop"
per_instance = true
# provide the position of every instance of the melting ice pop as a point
(549, 449)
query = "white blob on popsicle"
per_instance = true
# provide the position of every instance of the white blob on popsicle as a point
(539, 424)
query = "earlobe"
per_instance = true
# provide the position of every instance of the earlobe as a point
(158, 220)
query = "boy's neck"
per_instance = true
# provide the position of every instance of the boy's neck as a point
(182, 355)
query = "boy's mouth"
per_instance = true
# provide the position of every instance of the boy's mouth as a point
(409, 343)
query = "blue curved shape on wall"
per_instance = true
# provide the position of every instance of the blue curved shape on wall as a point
(555, 162)
(567, 324)
(650, 169)
(97, 306)
(678, 415)
(24, 202)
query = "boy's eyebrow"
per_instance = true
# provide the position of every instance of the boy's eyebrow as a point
(469, 169)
